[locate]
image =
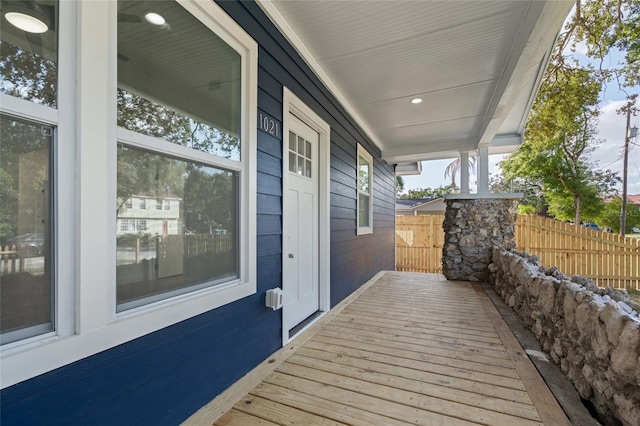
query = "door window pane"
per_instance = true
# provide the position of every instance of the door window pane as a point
(177, 81)
(29, 59)
(192, 245)
(26, 290)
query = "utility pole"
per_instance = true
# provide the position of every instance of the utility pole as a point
(631, 132)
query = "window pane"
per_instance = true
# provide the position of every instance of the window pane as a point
(29, 60)
(177, 81)
(193, 244)
(363, 210)
(300, 145)
(26, 290)
(308, 154)
(363, 174)
(292, 141)
(292, 162)
(307, 168)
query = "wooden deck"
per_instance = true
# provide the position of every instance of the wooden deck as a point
(404, 349)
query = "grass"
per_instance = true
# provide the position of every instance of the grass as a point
(634, 295)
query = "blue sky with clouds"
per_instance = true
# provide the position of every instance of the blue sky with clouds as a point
(611, 130)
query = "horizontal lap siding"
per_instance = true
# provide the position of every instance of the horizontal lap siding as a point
(165, 376)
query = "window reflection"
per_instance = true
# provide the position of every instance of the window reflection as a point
(26, 289)
(28, 60)
(192, 240)
(177, 81)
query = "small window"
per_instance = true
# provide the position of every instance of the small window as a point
(141, 225)
(129, 204)
(28, 54)
(167, 204)
(143, 204)
(158, 204)
(365, 193)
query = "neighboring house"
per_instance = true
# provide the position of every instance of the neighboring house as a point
(144, 214)
(282, 135)
(420, 206)
(634, 199)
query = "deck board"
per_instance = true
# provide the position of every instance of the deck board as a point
(406, 349)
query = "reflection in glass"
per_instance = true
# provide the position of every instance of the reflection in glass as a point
(26, 289)
(177, 81)
(363, 210)
(363, 174)
(29, 61)
(170, 251)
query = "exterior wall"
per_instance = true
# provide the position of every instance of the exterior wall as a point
(434, 207)
(165, 376)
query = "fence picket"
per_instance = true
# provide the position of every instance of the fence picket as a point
(607, 259)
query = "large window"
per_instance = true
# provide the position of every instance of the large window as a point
(179, 96)
(127, 173)
(28, 91)
(365, 192)
(195, 245)
(26, 293)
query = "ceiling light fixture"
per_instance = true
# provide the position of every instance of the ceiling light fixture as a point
(154, 18)
(416, 100)
(30, 19)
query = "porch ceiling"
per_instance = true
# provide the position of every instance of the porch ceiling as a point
(475, 64)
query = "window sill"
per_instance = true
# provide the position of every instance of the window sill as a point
(364, 231)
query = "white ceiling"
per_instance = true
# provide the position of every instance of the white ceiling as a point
(476, 65)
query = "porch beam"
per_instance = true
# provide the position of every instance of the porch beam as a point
(464, 172)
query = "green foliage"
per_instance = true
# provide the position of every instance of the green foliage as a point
(609, 216)
(399, 185)
(560, 137)
(419, 193)
(526, 209)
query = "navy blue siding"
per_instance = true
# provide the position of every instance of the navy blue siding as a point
(164, 377)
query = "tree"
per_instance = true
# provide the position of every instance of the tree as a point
(439, 192)
(534, 200)
(560, 136)
(609, 216)
(399, 185)
(454, 168)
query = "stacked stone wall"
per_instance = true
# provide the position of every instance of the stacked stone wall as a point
(592, 334)
(472, 227)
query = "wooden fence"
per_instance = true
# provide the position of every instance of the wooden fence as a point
(605, 258)
(419, 242)
(12, 260)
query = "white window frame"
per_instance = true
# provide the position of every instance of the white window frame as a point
(364, 230)
(85, 307)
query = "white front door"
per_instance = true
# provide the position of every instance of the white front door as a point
(300, 239)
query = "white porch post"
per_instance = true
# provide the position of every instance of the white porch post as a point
(483, 170)
(464, 172)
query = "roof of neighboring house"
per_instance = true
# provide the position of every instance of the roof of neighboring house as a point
(635, 199)
(409, 204)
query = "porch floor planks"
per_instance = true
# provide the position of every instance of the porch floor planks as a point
(407, 349)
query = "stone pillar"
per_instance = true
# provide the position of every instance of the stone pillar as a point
(473, 225)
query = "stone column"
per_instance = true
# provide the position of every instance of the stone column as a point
(473, 225)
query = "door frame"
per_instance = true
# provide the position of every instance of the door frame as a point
(291, 104)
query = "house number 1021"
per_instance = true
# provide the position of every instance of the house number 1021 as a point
(268, 125)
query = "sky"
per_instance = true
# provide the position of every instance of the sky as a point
(608, 155)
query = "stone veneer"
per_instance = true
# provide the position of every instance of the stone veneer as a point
(473, 225)
(592, 334)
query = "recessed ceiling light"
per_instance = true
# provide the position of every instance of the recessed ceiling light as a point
(26, 22)
(154, 18)
(416, 100)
